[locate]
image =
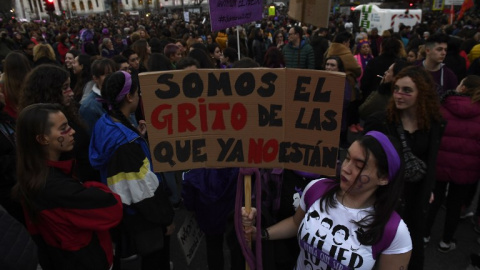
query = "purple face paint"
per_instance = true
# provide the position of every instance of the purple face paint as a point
(66, 131)
(363, 180)
(403, 94)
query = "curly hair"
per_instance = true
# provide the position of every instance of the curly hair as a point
(428, 105)
(44, 85)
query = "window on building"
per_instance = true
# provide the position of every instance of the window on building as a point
(140, 2)
(82, 6)
(90, 5)
(74, 6)
(149, 2)
(96, 1)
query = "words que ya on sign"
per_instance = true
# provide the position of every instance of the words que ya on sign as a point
(266, 118)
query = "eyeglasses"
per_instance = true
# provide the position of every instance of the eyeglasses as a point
(406, 91)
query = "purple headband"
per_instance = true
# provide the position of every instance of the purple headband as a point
(125, 90)
(393, 159)
(126, 87)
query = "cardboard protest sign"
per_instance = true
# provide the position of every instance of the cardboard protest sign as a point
(267, 118)
(315, 12)
(229, 13)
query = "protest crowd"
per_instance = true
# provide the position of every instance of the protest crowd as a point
(78, 189)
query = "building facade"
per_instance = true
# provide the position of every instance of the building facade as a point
(35, 9)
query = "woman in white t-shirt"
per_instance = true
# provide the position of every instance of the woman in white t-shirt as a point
(351, 223)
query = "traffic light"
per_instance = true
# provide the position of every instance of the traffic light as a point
(49, 5)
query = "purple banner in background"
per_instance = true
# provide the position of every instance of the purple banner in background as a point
(229, 13)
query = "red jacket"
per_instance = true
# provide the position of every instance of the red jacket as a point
(74, 220)
(62, 51)
(458, 158)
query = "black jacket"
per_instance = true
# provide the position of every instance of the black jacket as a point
(18, 250)
(8, 177)
(379, 122)
(320, 46)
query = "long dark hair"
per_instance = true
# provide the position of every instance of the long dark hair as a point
(159, 62)
(16, 68)
(112, 86)
(44, 85)
(202, 57)
(32, 171)
(83, 78)
(141, 49)
(386, 197)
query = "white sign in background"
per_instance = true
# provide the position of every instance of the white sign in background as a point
(189, 236)
(453, 2)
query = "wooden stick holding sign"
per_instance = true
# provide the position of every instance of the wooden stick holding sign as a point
(248, 207)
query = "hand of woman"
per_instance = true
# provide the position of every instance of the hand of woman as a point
(248, 222)
(170, 229)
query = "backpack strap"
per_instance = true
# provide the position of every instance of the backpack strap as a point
(388, 235)
(317, 190)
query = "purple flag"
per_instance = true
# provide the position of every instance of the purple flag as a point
(229, 13)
